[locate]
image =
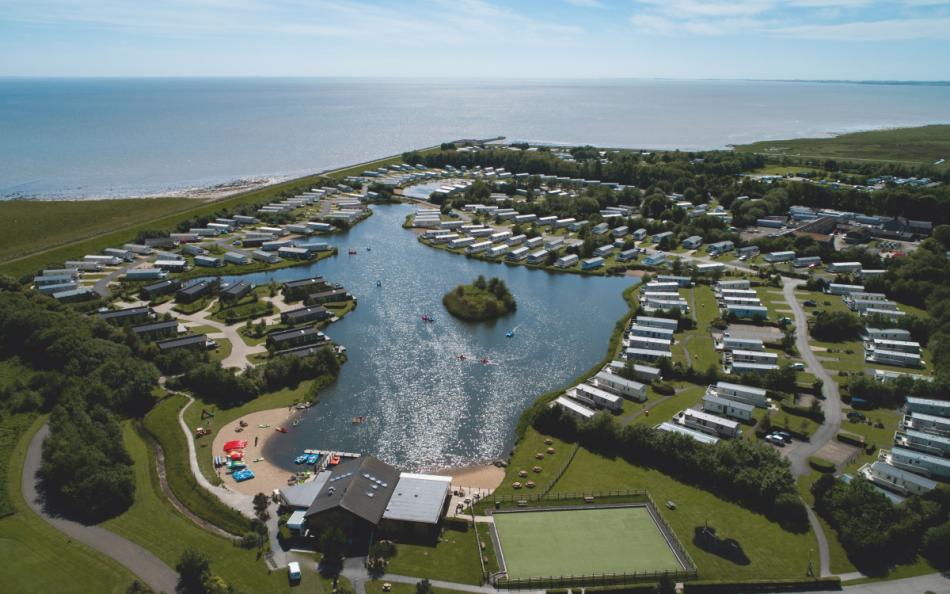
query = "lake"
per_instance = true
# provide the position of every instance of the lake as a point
(425, 408)
(76, 138)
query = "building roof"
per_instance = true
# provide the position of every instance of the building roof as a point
(155, 326)
(237, 288)
(725, 402)
(306, 282)
(697, 435)
(123, 313)
(362, 486)
(302, 496)
(418, 498)
(196, 288)
(173, 343)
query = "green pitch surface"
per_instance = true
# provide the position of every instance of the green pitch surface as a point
(582, 542)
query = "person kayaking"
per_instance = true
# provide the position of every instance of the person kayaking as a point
(379, 283)
(461, 357)
(510, 333)
(484, 361)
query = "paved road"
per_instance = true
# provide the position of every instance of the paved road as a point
(832, 401)
(798, 458)
(935, 582)
(149, 568)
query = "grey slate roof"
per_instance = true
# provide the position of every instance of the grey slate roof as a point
(418, 498)
(362, 486)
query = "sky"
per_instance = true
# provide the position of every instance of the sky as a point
(760, 39)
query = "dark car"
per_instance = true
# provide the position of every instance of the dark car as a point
(811, 303)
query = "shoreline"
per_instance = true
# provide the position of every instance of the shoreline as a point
(268, 475)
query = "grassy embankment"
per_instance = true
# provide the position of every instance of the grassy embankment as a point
(64, 230)
(912, 146)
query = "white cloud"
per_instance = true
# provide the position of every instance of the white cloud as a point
(586, 3)
(884, 30)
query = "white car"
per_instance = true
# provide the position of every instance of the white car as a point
(775, 440)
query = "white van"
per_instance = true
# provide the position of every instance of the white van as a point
(293, 572)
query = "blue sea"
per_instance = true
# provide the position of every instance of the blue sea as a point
(84, 138)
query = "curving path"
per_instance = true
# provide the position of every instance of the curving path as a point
(149, 568)
(798, 458)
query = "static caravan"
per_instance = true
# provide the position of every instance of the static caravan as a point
(627, 255)
(897, 358)
(843, 267)
(710, 267)
(516, 239)
(639, 234)
(567, 261)
(604, 251)
(923, 442)
(592, 263)
(236, 258)
(648, 355)
(596, 397)
(500, 236)
(739, 393)
(730, 343)
(919, 462)
(40, 281)
(651, 331)
(655, 259)
(719, 248)
(692, 242)
(747, 311)
(733, 284)
(545, 221)
(554, 243)
(841, 289)
(477, 248)
(620, 231)
(461, 242)
(928, 406)
(498, 250)
(774, 257)
(123, 254)
(135, 248)
(171, 265)
(145, 274)
(268, 257)
(526, 218)
(755, 356)
(183, 237)
(538, 257)
(208, 261)
(618, 385)
(68, 285)
(683, 282)
(895, 479)
(574, 408)
(83, 265)
(534, 242)
(643, 373)
(885, 334)
(707, 423)
(804, 261)
(276, 231)
(518, 254)
(294, 253)
(927, 423)
(749, 251)
(741, 367)
(273, 246)
(205, 231)
(104, 260)
(728, 300)
(658, 237)
(655, 322)
(561, 223)
(905, 346)
(699, 436)
(194, 250)
(730, 408)
(483, 232)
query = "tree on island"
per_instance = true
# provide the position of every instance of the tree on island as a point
(481, 300)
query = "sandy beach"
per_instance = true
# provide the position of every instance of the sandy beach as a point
(267, 476)
(482, 477)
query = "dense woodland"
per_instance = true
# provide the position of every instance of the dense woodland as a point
(90, 375)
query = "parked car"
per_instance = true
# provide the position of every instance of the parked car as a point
(798, 366)
(775, 440)
(785, 435)
(854, 415)
(810, 303)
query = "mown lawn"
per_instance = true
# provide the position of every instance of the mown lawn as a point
(670, 405)
(772, 552)
(454, 558)
(39, 558)
(153, 523)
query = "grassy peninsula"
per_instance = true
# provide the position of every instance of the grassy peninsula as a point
(481, 300)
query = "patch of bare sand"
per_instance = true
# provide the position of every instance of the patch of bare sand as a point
(267, 476)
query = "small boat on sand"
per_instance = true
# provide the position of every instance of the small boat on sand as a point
(281, 429)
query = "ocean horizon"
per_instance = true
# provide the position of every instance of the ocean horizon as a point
(72, 138)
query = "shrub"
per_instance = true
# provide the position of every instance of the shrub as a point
(820, 464)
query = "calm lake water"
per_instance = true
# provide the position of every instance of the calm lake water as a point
(121, 137)
(425, 408)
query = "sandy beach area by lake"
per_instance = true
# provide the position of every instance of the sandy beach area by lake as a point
(267, 476)
(481, 477)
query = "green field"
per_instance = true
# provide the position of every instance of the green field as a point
(916, 146)
(582, 542)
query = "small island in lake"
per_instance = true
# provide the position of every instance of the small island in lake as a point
(481, 300)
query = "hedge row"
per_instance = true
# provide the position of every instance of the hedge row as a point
(729, 587)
